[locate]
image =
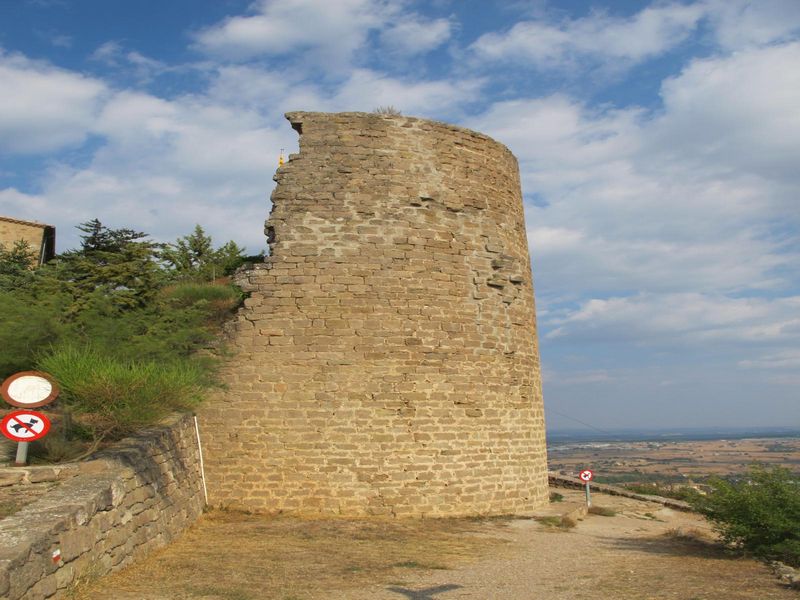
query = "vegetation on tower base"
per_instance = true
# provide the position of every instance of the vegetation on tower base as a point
(759, 514)
(120, 323)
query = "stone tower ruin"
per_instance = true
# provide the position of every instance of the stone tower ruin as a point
(386, 361)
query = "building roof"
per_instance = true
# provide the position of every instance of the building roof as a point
(22, 222)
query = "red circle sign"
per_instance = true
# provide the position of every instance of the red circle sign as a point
(24, 425)
(586, 475)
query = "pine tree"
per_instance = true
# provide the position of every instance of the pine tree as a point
(193, 257)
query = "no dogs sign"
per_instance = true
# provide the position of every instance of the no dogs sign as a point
(586, 475)
(25, 426)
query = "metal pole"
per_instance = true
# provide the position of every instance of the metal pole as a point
(22, 454)
(588, 496)
(202, 467)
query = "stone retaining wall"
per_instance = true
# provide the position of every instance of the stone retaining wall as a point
(133, 498)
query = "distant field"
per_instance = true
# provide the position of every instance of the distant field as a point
(672, 462)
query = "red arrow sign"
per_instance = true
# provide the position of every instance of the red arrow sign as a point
(24, 425)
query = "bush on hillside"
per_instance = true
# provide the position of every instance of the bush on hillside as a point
(759, 514)
(684, 493)
(26, 328)
(118, 325)
(110, 397)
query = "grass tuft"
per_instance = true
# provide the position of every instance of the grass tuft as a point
(111, 397)
(557, 522)
(602, 511)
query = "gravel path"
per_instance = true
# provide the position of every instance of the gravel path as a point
(642, 552)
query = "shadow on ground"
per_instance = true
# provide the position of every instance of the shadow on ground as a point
(426, 594)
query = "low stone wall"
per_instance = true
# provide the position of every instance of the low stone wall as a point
(133, 498)
(556, 480)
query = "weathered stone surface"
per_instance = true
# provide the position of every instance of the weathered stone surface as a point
(10, 477)
(15, 475)
(387, 360)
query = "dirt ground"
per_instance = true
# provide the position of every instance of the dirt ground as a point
(642, 552)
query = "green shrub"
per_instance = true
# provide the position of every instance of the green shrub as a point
(113, 397)
(211, 303)
(187, 294)
(105, 321)
(760, 514)
(26, 327)
(684, 493)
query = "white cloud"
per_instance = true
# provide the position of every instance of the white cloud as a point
(334, 30)
(176, 163)
(329, 35)
(598, 376)
(682, 200)
(48, 108)
(413, 35)
(108, 53)
(788, 359)
(683, 318)
(272, 93)
(597, 38)
(555, 239)
(621, 42)
(122, 61)
(742, 23)
(366, 89)
(735, 113)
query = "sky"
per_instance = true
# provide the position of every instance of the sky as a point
(659, 149)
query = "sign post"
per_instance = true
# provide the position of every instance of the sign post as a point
(586, 476)
(21, 458)
(27, 390)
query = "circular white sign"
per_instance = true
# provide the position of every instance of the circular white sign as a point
(30, 389)
(586, 475)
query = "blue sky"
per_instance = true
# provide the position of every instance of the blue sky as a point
(658, 143)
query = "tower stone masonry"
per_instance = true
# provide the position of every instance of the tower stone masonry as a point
(386, 360)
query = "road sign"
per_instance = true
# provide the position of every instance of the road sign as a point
(24, 425)
(586, 475)
(29, 389)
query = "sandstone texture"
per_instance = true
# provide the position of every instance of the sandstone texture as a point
(386, 361)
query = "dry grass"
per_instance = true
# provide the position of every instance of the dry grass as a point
(689, 534)
(557, 522)
(602, 511)
(235, 556)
